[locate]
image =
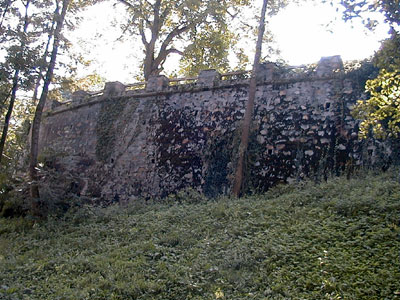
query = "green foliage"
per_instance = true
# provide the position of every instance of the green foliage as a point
(186, 196)
(388, 57)
(27, 32)
(361, 8)
(208, 50)
(338, 240)
(13, 158)
(66, 86)
(198, 30)
(381, 112)
(11, 203)
(12, 207)
(23, 39)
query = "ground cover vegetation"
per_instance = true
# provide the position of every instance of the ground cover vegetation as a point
(336, 240)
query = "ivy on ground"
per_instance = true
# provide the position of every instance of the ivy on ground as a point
(336, 240)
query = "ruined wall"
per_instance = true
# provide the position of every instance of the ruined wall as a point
(124, 144)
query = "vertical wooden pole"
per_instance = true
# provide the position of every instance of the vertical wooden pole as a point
(244, 141)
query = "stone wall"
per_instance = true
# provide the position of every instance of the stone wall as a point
(127, 143)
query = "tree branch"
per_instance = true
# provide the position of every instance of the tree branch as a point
(163, 50)
(142, 34)
(162, 56)
(126, 3)
(174, 33)
(165, 13)
(151, 5)
(173, 50)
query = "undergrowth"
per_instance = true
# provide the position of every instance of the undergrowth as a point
(337, 240)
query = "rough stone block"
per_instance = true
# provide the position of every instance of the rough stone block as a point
(328, 65)
(114, 88)
(267, 72)
(347, 86)
(157, 83)
(51, 104)
(208, 78)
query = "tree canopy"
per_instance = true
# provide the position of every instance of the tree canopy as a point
(380, 113)
(182, 27)
(358, 8)
(30, 38)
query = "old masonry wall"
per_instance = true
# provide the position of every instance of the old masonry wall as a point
(127, 143)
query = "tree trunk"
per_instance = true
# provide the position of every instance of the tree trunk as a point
(9, 113)
(244, 141)
(14, 86)
(150, 67)
(42, 67)
(149, 64)
(34, 189)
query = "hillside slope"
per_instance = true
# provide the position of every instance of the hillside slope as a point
(336, 240)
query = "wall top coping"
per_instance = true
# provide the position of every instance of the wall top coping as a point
(270, 73)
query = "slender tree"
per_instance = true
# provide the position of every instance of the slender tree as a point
(43, 63)
(244, 141)
(27, 54)
(34, 189)
(15, 81)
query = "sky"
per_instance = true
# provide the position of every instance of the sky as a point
(303, 37)
(301, 33)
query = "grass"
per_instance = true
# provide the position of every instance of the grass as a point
(336, 240)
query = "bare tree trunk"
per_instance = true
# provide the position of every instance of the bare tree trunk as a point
(150, 68)
(42, 67)
(9, 113)
(149, 63)
(244, 141)
(34, 189)
(14, 86)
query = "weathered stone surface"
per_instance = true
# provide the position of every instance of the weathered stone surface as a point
(328, 65)
(157, 83)
(149, 145)
(208, 78)
(80, 95)
(267, 72)
(51, 105)
(113, 88)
